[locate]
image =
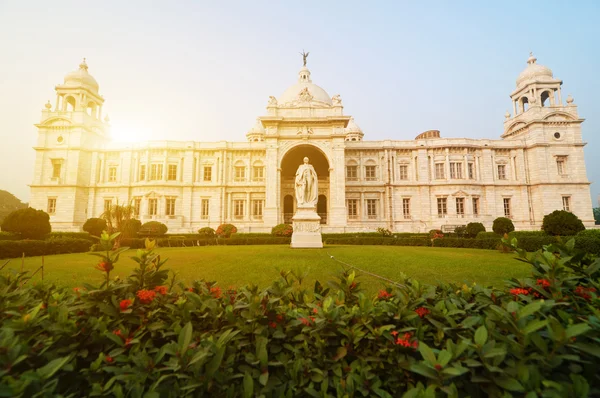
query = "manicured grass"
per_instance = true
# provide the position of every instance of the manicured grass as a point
(240, 265)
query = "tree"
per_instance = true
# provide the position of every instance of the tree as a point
(503, 225)
(562, 223)
(597, 215)
(225, 230)
(29, 223)
(206, 232)
(95, 226)
(116, 216)
(8, 204)
(153, 228)
(473, 228)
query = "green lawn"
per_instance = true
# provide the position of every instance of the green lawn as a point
(240, 265)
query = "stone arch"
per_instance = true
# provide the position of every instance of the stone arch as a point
(294, 155)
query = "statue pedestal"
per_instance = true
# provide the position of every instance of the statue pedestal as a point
(307, 229)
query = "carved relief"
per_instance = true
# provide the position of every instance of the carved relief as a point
(307, 226)
(305, 95)
(272, 101)
(336, 99)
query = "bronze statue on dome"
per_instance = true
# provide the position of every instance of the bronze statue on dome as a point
(304, 56)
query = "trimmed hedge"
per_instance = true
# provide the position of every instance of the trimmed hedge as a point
(490, 244)
(72, 235)
(13, 249)
(379, 241)
(9, 236)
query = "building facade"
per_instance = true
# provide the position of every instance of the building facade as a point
(537, 166)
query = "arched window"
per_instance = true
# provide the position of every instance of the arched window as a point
(70, 104)
(545, 98)
(91, 109)
(524, 104)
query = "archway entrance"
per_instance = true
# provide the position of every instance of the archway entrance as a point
(289, 164)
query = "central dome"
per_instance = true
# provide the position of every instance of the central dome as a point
(304, 87)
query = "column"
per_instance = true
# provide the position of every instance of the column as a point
(447, 165)
(180, 167)
(514, 104)
(165, 165)
(272, 181)
(247, 215)
(148, 166)
(337, 185)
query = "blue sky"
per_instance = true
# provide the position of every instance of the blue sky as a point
(204, 70)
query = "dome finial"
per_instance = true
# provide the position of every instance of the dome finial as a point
(83, 65)
(304, 56)
(531, 60)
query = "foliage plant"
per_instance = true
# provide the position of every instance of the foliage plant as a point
(285, 230)
(150, 336)
(503, 225)
(130, 228)
(473, 228)
(596, 211)
(460, 231)
(95, 226)
(225, 230)
(28, 223)
(207, 232)
(116, 216)
(562, 223)
(152, 229)
(384, 232)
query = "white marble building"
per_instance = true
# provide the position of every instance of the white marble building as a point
(404, 185)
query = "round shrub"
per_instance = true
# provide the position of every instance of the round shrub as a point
(207, 232)
(29, 223)
(562, 223)
(153, 228)
(225, 230)
(473, 228)
(282, 230)
(436, 233)
(95, 226)
(503, 225)
(130, 228)
(460, 231)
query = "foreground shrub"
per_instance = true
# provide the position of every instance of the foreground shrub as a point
(148, 336)
(95, 226)
(225, 230)
(207, 232)
(562, 223)
(503, 225)
(28, 223)
(474, 228)
(153, 228)
(282, 230)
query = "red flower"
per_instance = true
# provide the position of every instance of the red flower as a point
(104, 266)
(315, 311)
(109, 359)
(312, 318)
(516, 291)
(146, 296)
(305, 321)
(191, 289)
(384, 295)
(272, 325)
(279, 318)
(215, 292)
(117, 332)
(438, 366)
(161, 289)
(584, 292)
(125, 304)
(543, 283)
(405, 341)
(394, 333)
(352, 285)
(128, 341)
(422, 311)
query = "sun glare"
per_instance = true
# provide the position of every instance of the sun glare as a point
(125, 133)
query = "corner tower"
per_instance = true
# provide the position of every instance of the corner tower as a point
(68, 133)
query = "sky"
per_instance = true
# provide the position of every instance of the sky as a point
(203, 71)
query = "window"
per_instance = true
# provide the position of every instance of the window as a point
(257, 208)
(460, 207)
(240, 173)
(51, 205)
(170, 207)
(156, 171)
(475, 207)
(207, 173)
(502, 172)
(352, 173)
(112, 173)
(406, 207)
(172, 172)
(439, 171)
(142, 172)
(56, 168)
(204, 209)
(566, 203)
(442, 207)
(403, 172)
(507, 212)
(152, 207)
(137, 204)
(238, 208)
(371, 207)
(370, 173)
(471, 170)
(259, 173)
(107, 205)
(561, 165)
(456, 170)
(353, 208)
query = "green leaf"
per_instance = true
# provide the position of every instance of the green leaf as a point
(341, 353)
(261, 350)
(444, 357)
(534, 325)
(509, 383)
(588, 349)
(495, 352)
(423, 370)
(455, 371)
(185, 337)
(577, 329)
(530, 309)
(427, 353)
(264, 378)
(215, 362)
(481, 335)
(248, 386)
(48, 370)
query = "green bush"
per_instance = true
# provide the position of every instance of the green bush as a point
(282, 230)
(460, 231)
(9, 236)
(562, 223)
(13, 249)
(225, 230)
(474, 228)
(95, 226)
(503, 225)
(384, 232)
(153, 229)
(130, 228)
(74, 235)
(207, 232)
(533, 337)
(28, 223)
(588, 240)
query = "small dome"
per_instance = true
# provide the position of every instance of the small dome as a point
(257, 132)
(304, 90)
(81, 77)
(534, 72)
(353, 127)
